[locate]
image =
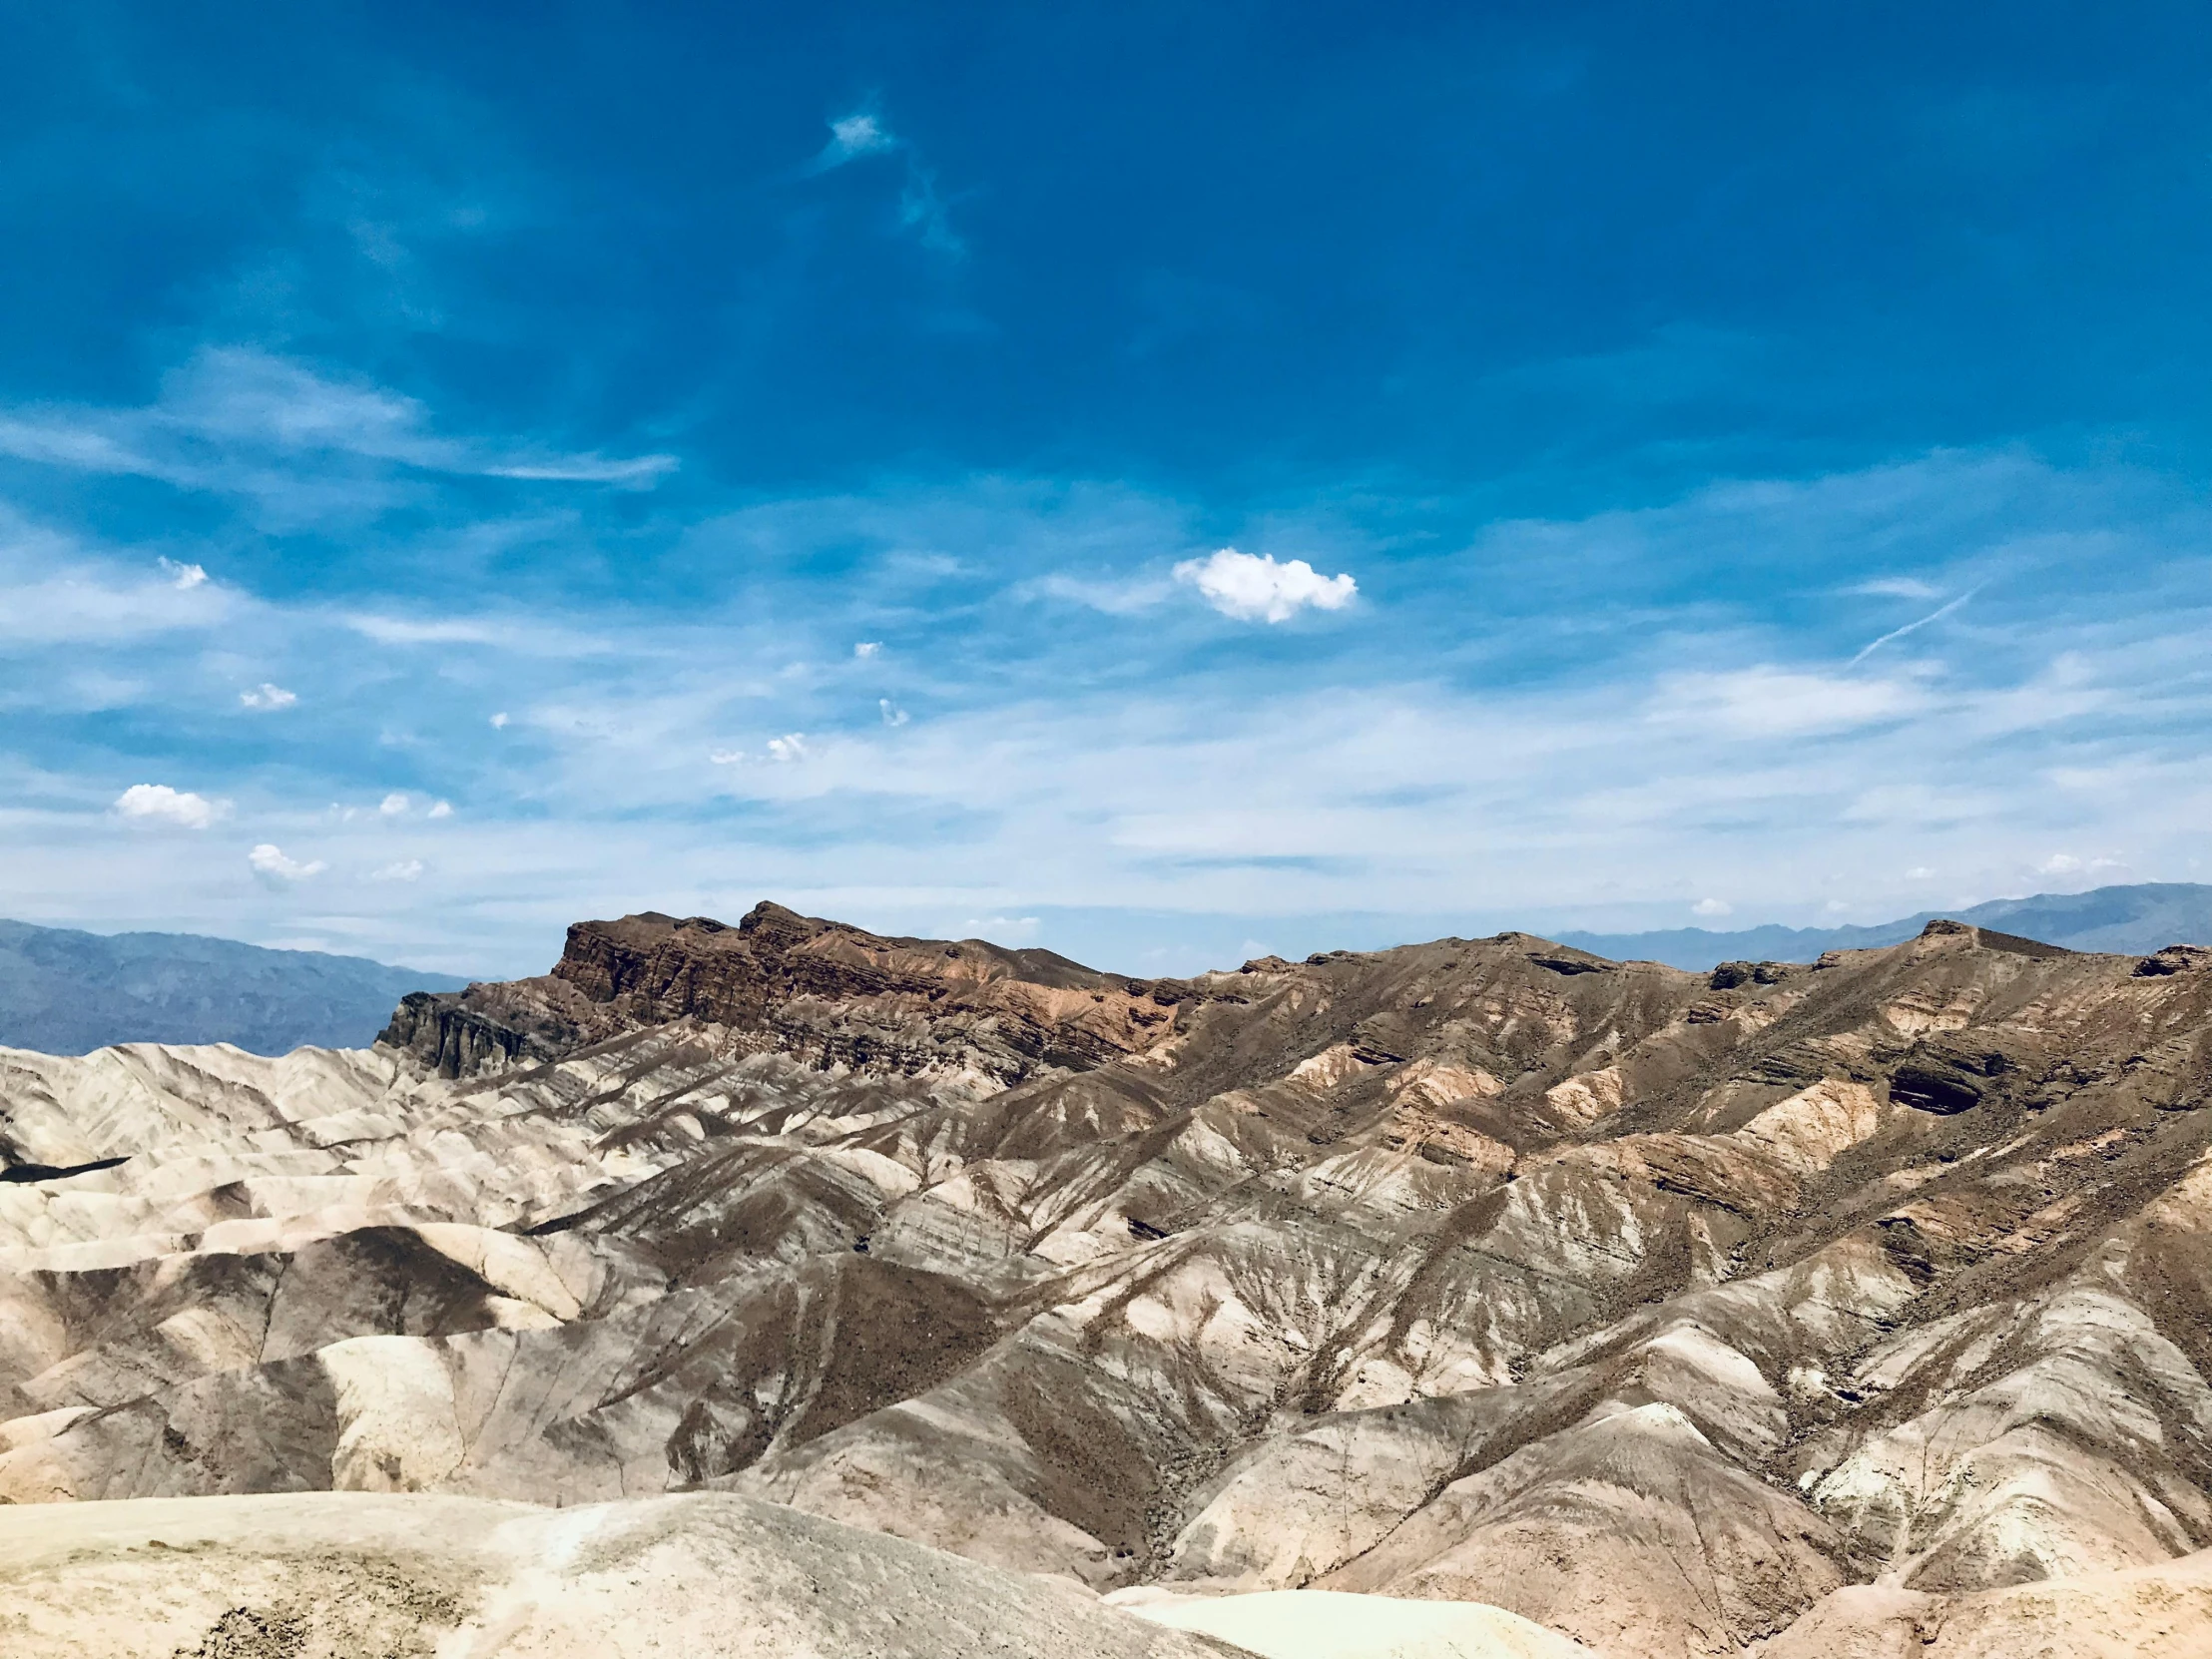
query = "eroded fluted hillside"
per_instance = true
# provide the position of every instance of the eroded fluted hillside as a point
(1656, 1308)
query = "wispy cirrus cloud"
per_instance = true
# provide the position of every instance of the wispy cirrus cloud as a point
(863, 134)
(1765, 700)
(242, 421)
(55, 590)
(1449, 753)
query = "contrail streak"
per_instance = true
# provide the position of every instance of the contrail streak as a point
(1899, 633)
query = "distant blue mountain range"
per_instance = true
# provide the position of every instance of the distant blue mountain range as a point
(2135, 919)
(65, 992)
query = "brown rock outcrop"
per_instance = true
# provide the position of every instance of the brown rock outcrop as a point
(820, 990)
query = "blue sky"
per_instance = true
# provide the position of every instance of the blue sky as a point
(1163, 483)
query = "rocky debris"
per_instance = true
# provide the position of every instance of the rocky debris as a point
(2174, 958)
(1668, 1310)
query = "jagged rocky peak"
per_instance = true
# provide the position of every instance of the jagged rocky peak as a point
(823, 990)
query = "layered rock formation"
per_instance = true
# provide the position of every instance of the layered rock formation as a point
(1673, 1312)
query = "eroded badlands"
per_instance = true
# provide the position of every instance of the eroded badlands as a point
(1853, 1307)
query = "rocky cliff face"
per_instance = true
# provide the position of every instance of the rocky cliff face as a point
(818, 990)
(1670, 1311)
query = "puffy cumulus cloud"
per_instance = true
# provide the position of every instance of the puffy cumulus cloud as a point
(1713, 907)
(158, 804)
(440, 808)
(791, 746)
(394, 804)
(266, 696)
(399, 870)
(1254, 587)
(867, 648)
(499, 720)
(269, 864)
(2058, 864)
(183, 576)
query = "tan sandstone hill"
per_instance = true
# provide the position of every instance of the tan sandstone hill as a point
(1662, 1309)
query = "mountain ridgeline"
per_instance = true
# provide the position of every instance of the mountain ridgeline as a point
(2133, 919)
(68, 993)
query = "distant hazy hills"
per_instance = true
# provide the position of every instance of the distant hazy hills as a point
(2137, 918)
(64, 992)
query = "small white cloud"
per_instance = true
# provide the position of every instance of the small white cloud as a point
(867, 648)
(393, 805)
(1253, 587)
(158, 804)
(442, 808)
(2058, 864)
(404, 870)
(725, 757)
(2107, 864)
(183, 576)
(1713, 907)
(851, 137)
(1920, 872)
(1836, 906)
(892, 715)
(266, 696)
(791, 746)
(272, 865)
(499, 720)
